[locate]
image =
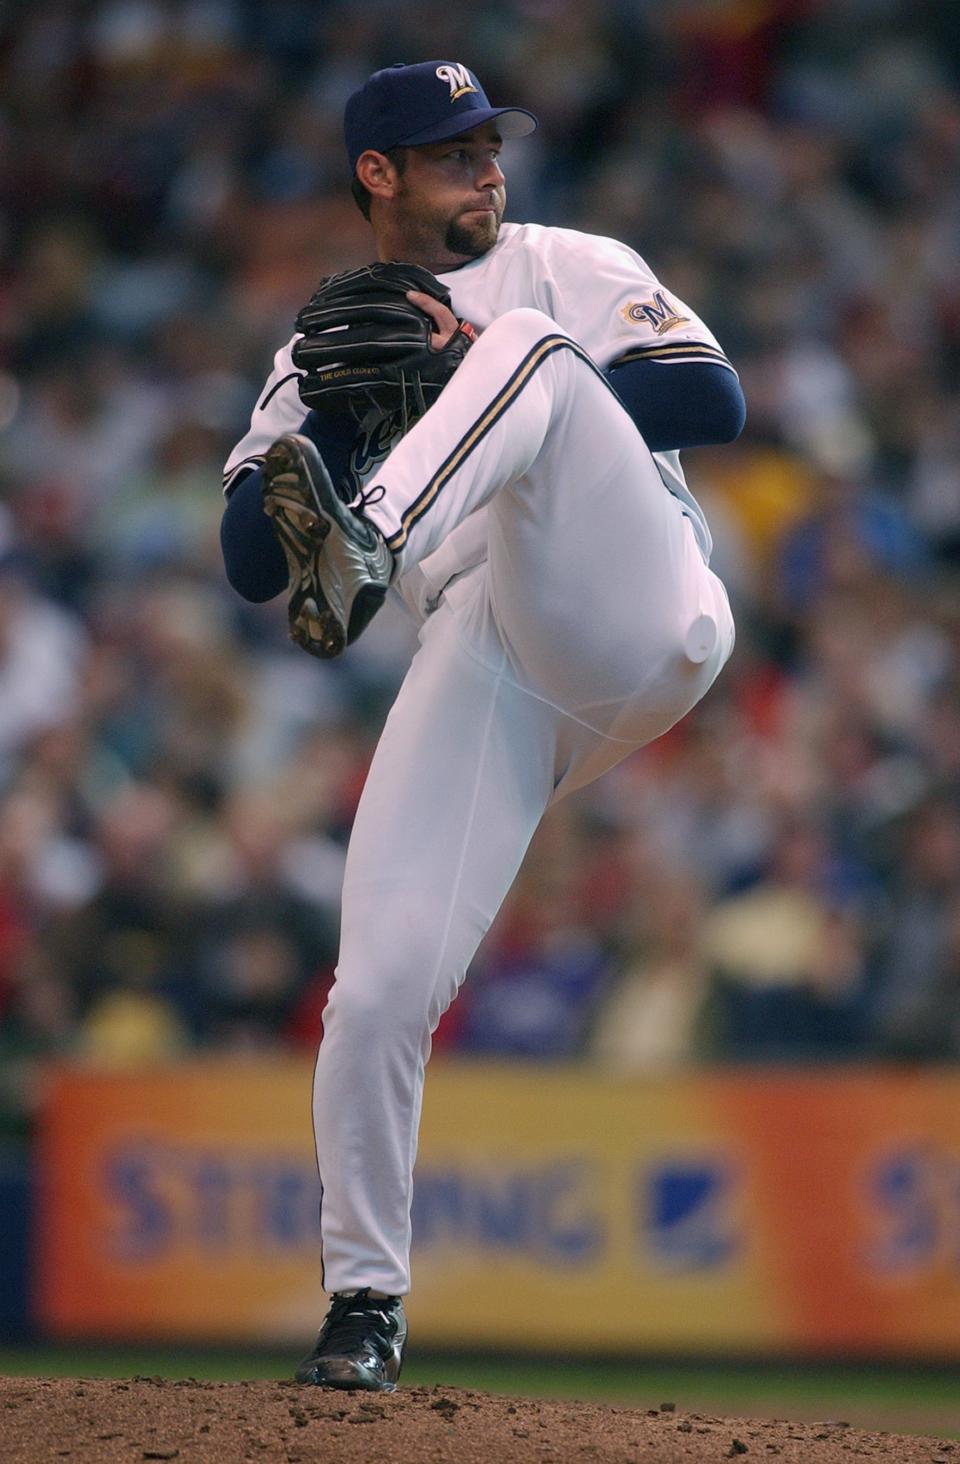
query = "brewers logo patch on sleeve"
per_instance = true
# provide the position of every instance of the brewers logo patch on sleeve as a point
(657, 312)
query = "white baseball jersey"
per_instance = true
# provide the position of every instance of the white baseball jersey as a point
(601, 292)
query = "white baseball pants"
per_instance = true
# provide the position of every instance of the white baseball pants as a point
(591, 629)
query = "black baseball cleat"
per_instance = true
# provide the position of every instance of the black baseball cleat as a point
(339, 564)
(360, 1346)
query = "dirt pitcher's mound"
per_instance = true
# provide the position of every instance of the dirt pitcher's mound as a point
(103, 1422)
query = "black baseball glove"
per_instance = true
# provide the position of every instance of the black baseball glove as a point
(365, 347)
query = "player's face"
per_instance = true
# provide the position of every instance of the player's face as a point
(453, 194)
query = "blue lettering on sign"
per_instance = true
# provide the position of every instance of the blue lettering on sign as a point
(213, 1186)
(685, 1213)
(913, 1196)
(288, 1202)
(573, 1232)
(144, 1220)
(162, 1197)
(541, 1212)
(439, 1205)
(504, 1212)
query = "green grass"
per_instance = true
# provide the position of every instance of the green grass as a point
(904, 1400)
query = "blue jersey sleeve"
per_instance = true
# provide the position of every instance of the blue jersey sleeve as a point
(255, 564)
(680, 404)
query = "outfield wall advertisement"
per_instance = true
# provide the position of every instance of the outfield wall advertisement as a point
(720, 1214)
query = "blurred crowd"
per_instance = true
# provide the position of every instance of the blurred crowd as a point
(779, 878)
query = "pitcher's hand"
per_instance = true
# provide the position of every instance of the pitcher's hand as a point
(444, 320)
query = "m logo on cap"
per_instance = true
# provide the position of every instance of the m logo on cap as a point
(457, 79)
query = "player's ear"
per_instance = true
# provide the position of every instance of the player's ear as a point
(377, 174)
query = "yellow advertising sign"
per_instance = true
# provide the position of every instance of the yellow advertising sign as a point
(719, 1213)
(596, 1212)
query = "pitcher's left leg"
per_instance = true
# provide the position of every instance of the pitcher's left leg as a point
(603, 600)
(602, 596)
(487, 430)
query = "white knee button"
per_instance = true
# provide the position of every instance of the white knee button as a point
(700, 641)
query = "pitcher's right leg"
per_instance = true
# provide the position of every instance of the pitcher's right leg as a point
(459, 781)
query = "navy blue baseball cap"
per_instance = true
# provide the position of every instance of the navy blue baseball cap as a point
(404, 106)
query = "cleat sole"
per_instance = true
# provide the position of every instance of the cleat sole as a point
(289, 501)
(303, 519)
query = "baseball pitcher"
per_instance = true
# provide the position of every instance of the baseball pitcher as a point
(484, 421)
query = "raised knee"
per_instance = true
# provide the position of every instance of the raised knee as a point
(682, 644)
